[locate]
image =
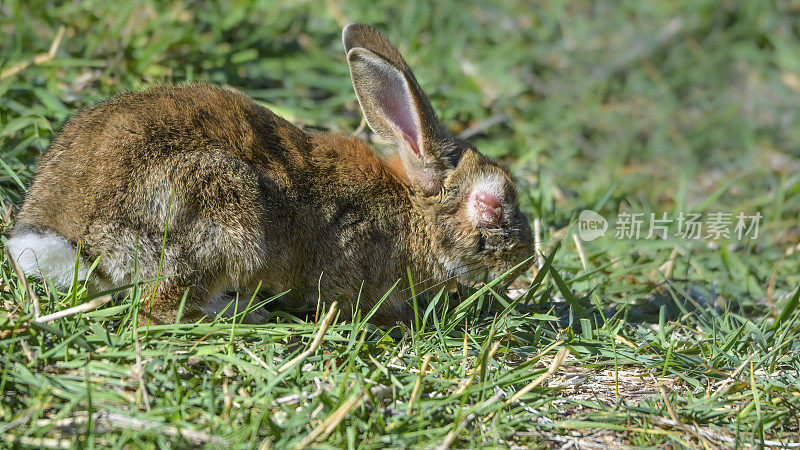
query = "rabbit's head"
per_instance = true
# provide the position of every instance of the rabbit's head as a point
(469, 202)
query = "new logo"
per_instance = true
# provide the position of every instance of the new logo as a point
(591, 225)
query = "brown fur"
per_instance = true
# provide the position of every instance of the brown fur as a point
(248, 198)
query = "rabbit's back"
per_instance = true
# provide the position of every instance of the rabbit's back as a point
(242, 196)
(111, 153)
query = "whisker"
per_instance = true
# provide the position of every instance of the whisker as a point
(441, 283)
(438, 285)
(432, 278)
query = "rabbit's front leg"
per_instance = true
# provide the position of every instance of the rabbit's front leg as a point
(163, 298)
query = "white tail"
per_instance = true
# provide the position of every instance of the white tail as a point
(47, 256)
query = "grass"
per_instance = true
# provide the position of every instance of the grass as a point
(637, 107)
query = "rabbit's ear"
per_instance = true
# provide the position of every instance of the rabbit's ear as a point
(394, 105)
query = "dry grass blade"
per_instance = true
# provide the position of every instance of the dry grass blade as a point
(483, 125)
(537, 242)
(725, 385)
(12, 440)
(545, 351)
(581, 253)
(674, 416)
(557, 361)
(316, 342)
(453, 434)
(82, 308)
(330, 424)
(255, 358)
(38, 59)
(137, 370)
(418, 383)
(475, 370)
(319, 297)
(26, 348)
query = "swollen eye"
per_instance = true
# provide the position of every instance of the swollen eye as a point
(488, 209)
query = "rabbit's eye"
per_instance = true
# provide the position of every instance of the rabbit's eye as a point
(481, 243)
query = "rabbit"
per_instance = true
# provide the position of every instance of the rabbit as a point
(201, 192)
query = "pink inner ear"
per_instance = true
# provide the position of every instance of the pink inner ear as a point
(488, 208)
(398, 108)
(413, 143)
(400, 114)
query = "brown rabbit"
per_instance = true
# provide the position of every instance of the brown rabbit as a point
(222, 195)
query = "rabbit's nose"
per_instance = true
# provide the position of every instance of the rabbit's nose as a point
(489, 209)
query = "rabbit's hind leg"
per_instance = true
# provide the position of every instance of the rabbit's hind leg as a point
(204, 290)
